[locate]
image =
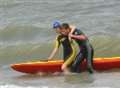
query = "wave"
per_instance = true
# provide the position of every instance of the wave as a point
(22, 33)
(25, 42)
(17, 86)
(104, 46)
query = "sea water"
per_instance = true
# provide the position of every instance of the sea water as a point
(26, 34)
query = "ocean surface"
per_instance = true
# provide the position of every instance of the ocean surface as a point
(26, 34)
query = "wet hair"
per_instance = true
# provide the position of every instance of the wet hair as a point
(65, 26)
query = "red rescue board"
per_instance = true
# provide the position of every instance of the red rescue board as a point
(100, 64)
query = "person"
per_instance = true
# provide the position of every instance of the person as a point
(67, 35)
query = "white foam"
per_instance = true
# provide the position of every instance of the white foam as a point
(17, 86)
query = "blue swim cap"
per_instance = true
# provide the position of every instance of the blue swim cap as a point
(56, 24)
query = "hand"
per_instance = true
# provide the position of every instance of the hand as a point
(63, 67)
(49, 58)
(70, 35)
(69, 38)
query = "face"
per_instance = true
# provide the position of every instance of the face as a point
(62, 31)
(57, 30)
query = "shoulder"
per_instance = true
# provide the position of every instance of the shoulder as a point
(59, 37)
(72, 26)
(78, 31)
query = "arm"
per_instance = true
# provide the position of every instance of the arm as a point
(71, 35)
(72, 30)
(80, 37)
(53, 53)
(57, 44)
(70, 59)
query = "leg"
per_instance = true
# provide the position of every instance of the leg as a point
(92, 56)
(89, 58)
(76, 64)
